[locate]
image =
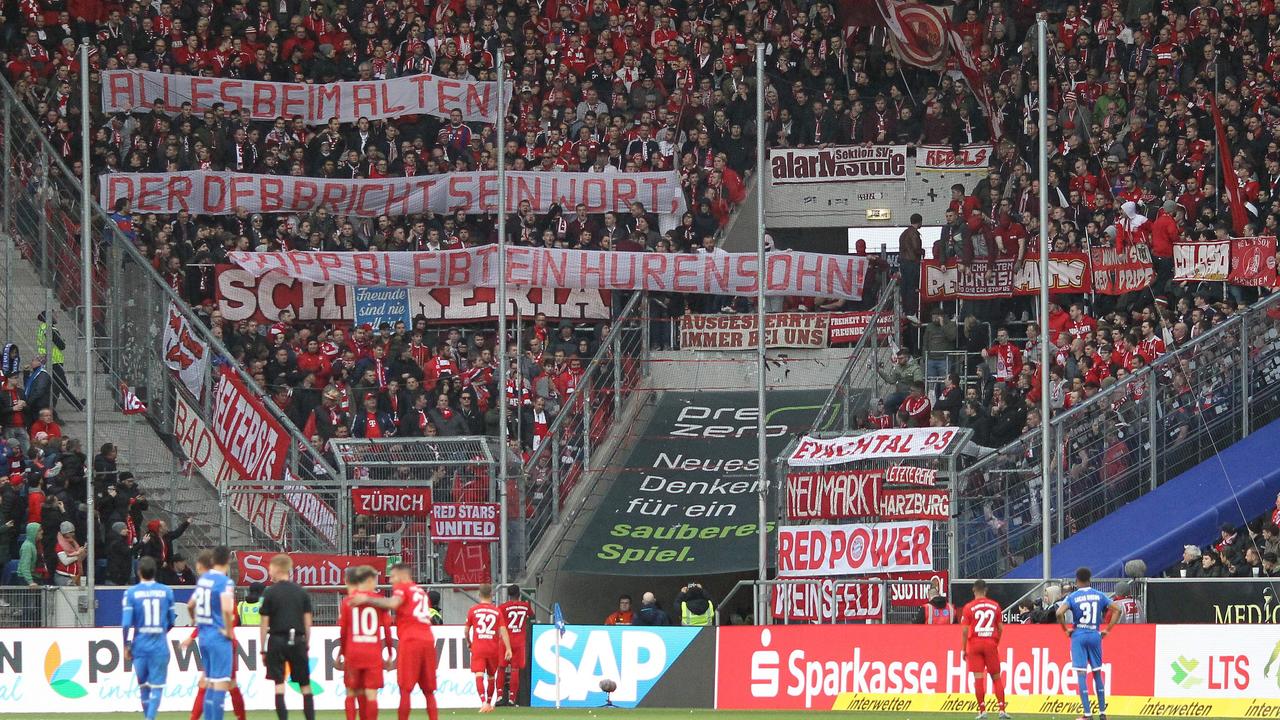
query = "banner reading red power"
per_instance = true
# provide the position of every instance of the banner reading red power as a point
(253, 442)
(414, 502)
(807, 666)
(855, 549)
(309, 570)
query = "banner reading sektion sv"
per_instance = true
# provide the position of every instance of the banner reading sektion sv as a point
(208, 192)
(833, 495)
(947, 159)
(685, 500)
(1120, 272)
(787, 273)
(855, 549)
(854, 163)
(241, 296)
(888, 443)
(425, 94)
(1068, 273)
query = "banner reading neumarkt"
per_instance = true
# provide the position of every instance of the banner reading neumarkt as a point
(425, 94)
(686, 502)
(216, 192)
(1231, 601)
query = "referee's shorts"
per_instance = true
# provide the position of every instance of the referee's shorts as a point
(279, 652)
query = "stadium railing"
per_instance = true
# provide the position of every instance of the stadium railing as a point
(860, 384)
(1147, 428)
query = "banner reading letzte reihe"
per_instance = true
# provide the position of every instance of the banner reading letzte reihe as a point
(787, 273)
(425, 94)
(212, 192)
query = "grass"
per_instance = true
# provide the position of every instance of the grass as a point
(520, 713)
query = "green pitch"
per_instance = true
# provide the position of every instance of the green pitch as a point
(547, 714)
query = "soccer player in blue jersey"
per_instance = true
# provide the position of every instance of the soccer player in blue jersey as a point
(146, 618)
(1092, 617)
(213, 605)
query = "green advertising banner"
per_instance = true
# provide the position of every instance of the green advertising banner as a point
(686, 502)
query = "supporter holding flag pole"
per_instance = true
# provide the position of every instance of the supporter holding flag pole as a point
(1239, 217)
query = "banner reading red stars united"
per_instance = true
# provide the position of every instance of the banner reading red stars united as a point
(787, 273)
(208, 192)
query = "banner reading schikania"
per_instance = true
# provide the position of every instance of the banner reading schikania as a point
(129, 90)
(786, 273)
(207, 192)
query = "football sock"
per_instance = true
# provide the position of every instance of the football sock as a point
(1082, 679)
(406, 696)
(369, 710)
(309, 707)
(214, 702)
(153, 703)
(197, 708)
(513, 686)
(980, 692)
(493, 688)
(237, 702)
(350, 705)
(433, 713)
(282, 712)
(1099, 689)
(144, 694)
(480, 689)
(997, 687)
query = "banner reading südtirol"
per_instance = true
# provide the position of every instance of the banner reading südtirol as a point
(685, 504)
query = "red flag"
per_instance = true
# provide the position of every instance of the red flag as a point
(1239, 218)
(133, 405)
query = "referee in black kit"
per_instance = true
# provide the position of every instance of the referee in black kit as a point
(285, 634)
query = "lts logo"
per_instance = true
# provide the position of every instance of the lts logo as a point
(633, 658)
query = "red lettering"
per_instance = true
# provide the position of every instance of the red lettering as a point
(364, 99)
(120, 91)
(444, 100)
(366, 267)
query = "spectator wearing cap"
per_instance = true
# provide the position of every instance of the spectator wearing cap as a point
(119, 555)
(179, 572)
(37, 388)
(1230, 540)
(370, 422)
(157, 541)
(69, 557)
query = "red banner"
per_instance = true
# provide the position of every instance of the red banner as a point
(309, 570)
(910, 475)
(394, 501)
(465, 522)
(1120, 272)
(1068, 273)
(840, 600)
(848, 328)
(786, 667)
(1253, 262)
(253, 442)
(915, 505)
(825, 495)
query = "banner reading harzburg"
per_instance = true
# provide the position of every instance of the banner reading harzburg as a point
(208, 192)
(787, 273)
(425, 94)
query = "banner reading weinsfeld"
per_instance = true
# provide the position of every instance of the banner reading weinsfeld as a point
(889, 443)
(949, 159)
(854, 548)
(425, 94)
(855, 163)
(787, 273)
(849, 600)
(738, 332)
(209, 192)
(1068, 273)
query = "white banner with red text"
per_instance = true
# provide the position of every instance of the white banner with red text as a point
(313, 510)
(855, 548)
(1068, 273)
(873, 444)
(945, 158)
(783, 330)
(125, 91)
(1202, 261)
(241, 296)
(910, 475)
(83, 672)
(786, 273)
(184, 352)
(309, 569)
(841, 600)
(265, 513)
(851, 163)
(833, 495)
(254, 442)
(210, 192)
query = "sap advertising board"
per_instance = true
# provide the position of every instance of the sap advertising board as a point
(653, 666)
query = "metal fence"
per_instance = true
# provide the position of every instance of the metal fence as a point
(860, 385)
(1147, 428)
(559, 458)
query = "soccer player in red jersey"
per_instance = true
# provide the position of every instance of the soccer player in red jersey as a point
(518, 614)
(415, 645)
(364, 631)
(980, 646)
(490, 644)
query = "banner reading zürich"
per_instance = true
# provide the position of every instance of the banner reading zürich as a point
(686, 502)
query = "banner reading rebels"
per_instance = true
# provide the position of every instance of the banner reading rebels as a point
(253, 442)
(424, 94)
